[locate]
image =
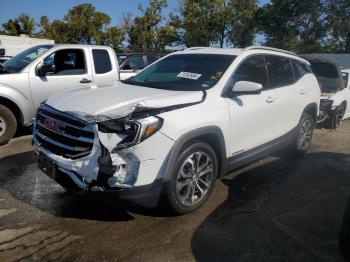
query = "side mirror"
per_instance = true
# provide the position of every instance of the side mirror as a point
(246, 87)
(44, 70)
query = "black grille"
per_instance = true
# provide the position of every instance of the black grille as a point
(63, 134)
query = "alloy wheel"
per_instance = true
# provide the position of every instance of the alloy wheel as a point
(194, 178)
(2, 126)
(305, 134)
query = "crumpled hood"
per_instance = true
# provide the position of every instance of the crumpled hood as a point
(118, 100)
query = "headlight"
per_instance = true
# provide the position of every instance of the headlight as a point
(131, 131)
(325, 103)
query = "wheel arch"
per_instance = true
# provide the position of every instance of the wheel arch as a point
(312, 109)
(211, 135)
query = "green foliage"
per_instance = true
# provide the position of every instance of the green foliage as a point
(149, 31)
(338, 20)
(296, 25)
(23, 24)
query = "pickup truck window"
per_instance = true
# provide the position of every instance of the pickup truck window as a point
(102, 61)
(184, 72)
(133, 63)
(20, 61)
(67, 62)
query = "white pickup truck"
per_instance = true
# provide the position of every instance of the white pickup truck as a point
(29, 78)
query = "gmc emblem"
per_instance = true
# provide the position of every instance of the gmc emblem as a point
(54, 126)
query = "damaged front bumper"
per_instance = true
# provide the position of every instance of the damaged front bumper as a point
(131, 172)
(326, 110)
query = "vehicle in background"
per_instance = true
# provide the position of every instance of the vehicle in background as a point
(132, 63)
(335, 99)
(29, 78)
(178, 125)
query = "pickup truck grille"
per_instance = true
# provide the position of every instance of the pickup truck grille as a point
(63, 134)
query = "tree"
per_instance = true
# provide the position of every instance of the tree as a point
(296, 25)
(145, 32)
(338, 20)
(241, 22)
(83, 25)
(23, 24)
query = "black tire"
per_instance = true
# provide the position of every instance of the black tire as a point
(336, 118)
(302, 141)
(8, 124)
(171, 193)
(344, 236)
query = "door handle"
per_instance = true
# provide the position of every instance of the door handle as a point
(85, 81)
(302, 92)
(270, 99)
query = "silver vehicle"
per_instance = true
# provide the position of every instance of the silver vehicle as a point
(33, 75)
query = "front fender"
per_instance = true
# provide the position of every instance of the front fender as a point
(23, 103)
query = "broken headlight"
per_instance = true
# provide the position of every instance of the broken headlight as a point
(131, 131)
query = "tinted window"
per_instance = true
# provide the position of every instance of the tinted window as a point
(280, 71)
(133, 63)
(151, 59)
(67, 62)
(102, 61)
(300, 69)
(253, 69)
(185, 72)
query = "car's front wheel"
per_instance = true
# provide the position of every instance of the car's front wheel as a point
(8, 124)
(192, 179)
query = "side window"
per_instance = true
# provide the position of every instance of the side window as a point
(133, 63)
(151, 59)
(254, 70)
(67, 62)
(280, 71)
(300, 69)
(102, 62)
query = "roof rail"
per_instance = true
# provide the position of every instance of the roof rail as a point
(195, 48)
(269, 48)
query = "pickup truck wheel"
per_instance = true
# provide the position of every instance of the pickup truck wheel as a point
(337, 117)
(193, 178)
(8, 125)
(303, 138)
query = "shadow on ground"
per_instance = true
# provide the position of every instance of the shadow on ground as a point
(280, 211)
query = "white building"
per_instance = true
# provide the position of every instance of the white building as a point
(16, 44)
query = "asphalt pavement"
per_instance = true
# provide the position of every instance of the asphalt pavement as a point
(276, 209)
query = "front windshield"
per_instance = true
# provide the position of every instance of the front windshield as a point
(20, 61)
(184, 72)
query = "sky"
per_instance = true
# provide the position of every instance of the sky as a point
(56, 9)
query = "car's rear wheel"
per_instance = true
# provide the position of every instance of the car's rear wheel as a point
(303, 138)
(192, 179)
(8, 124)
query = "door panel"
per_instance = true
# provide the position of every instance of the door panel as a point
(252, 115)
(70, 72)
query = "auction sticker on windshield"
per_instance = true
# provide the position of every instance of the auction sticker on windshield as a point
(189, 75)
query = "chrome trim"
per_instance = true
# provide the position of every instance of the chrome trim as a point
(80, 138)
(54, 142)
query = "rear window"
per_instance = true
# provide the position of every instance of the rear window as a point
(280, 71)
(300, 69)
(102, 61)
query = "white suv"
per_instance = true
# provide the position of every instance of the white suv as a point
(179, 124)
